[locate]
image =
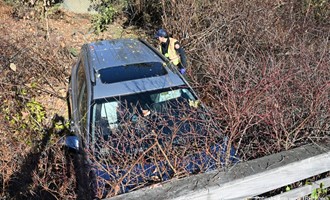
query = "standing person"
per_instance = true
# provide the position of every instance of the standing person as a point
(172, 49)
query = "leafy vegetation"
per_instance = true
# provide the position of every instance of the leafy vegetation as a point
(141, 13)
(106, 14)
(320, 192)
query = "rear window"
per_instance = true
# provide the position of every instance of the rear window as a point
(132, 72)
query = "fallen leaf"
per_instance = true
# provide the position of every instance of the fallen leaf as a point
(157, 185)
(25, 115)
(13, 67)
(117, 189)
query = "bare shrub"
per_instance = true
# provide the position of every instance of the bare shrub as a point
(262, 67)
(54, 178)
(31, 67)
(142, 151)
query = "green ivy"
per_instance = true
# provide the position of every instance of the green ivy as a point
(106, 15)
(27, 117)
(288, 188)
(36, 115)
(320, 192)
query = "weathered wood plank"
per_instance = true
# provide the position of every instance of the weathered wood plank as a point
(245, 179)
(303, 191)
(263, 182)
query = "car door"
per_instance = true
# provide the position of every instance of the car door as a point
(72, 93)
(78, 98)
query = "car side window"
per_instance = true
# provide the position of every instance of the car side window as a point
(82, 96)
(109, 112)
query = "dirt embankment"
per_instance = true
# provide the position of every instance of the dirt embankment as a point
(29, 40)
(36, 56)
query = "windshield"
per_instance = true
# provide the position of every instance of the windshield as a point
(108, 114)
(174, 133)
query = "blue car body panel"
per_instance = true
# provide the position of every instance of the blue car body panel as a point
(141, 171)
(120, 52)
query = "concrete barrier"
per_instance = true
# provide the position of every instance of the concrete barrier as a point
(78, 6)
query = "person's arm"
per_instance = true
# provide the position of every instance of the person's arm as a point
(182, 54)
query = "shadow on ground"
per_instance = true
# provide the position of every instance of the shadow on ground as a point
(20, 181)
(22, 184)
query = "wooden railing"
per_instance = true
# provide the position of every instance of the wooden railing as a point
(248, 179)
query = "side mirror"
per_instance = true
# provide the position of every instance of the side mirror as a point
(72, 143)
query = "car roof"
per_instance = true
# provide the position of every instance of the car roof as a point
(119, 52)
(107, 54)
(136, 86)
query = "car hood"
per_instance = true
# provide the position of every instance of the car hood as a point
(142, 174)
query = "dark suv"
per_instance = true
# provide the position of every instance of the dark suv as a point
(136, 119)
